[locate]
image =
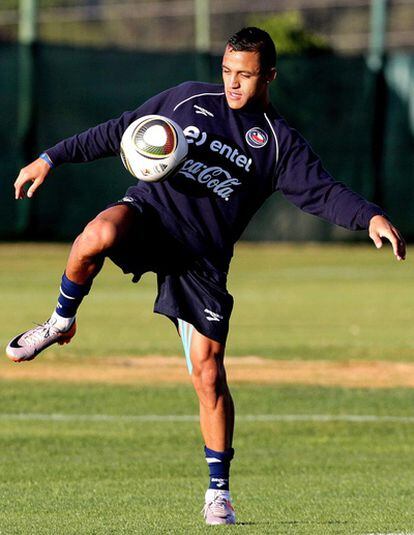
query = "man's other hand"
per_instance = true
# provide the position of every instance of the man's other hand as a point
(380, 227)
(35, 172)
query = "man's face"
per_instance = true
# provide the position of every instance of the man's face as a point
(244, 82)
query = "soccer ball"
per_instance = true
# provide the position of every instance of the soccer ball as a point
(153, 147)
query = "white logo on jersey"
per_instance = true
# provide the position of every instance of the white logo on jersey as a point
(194, 135)
(213, 316)
(215, 178)
(127, 199)
(202, 111)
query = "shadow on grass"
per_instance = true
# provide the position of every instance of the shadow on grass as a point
(314, 523)
(296, 523)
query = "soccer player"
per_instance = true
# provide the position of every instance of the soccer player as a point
(184, 229)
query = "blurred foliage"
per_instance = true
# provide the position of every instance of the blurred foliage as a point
(290, 34)
(9, 4)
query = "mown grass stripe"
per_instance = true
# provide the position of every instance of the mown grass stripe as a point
(352, 418)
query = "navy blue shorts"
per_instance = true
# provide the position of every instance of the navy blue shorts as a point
(190, 288)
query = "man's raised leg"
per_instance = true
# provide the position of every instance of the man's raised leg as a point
(85, 261)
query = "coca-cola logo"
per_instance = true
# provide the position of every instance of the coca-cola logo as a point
(215, 178)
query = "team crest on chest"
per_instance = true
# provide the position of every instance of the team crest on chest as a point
(256, 137)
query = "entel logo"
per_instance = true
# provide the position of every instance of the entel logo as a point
(194, 135)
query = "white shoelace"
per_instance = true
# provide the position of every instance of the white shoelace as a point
(217, 506)
(41, 332)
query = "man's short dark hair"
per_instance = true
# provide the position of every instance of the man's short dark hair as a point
(254, 39)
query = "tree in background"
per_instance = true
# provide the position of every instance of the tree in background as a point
(290, 34)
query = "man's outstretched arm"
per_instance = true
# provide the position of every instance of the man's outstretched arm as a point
(97, 142)
(303, 180)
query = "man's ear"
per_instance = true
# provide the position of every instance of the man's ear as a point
(272, 74)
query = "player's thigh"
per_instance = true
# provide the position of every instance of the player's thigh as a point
(205, 350)
(204, 355)
(207, 359)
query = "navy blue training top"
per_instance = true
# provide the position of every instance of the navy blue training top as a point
(236, 159)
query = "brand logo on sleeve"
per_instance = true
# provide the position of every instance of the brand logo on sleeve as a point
(127, 198)
(256, 137)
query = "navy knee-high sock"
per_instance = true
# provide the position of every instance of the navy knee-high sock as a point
(219, 466)
(70, 297)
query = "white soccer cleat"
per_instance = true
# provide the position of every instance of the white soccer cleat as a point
(27, 345)
(218, 508)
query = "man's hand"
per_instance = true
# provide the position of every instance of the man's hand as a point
(380, 227)
(34, 172)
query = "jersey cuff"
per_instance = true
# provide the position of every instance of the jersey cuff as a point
(44, 156)
(370, 211)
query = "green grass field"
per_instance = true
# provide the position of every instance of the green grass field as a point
(104, 458)
(123, 475)
(291, 301)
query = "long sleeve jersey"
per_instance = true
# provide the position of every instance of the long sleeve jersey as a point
(236, 160)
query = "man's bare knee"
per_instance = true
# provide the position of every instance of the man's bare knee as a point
(107, 229)
(98, 236)
(209, 379)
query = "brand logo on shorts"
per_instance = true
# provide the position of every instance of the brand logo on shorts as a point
(256, 137)
(212, 316)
